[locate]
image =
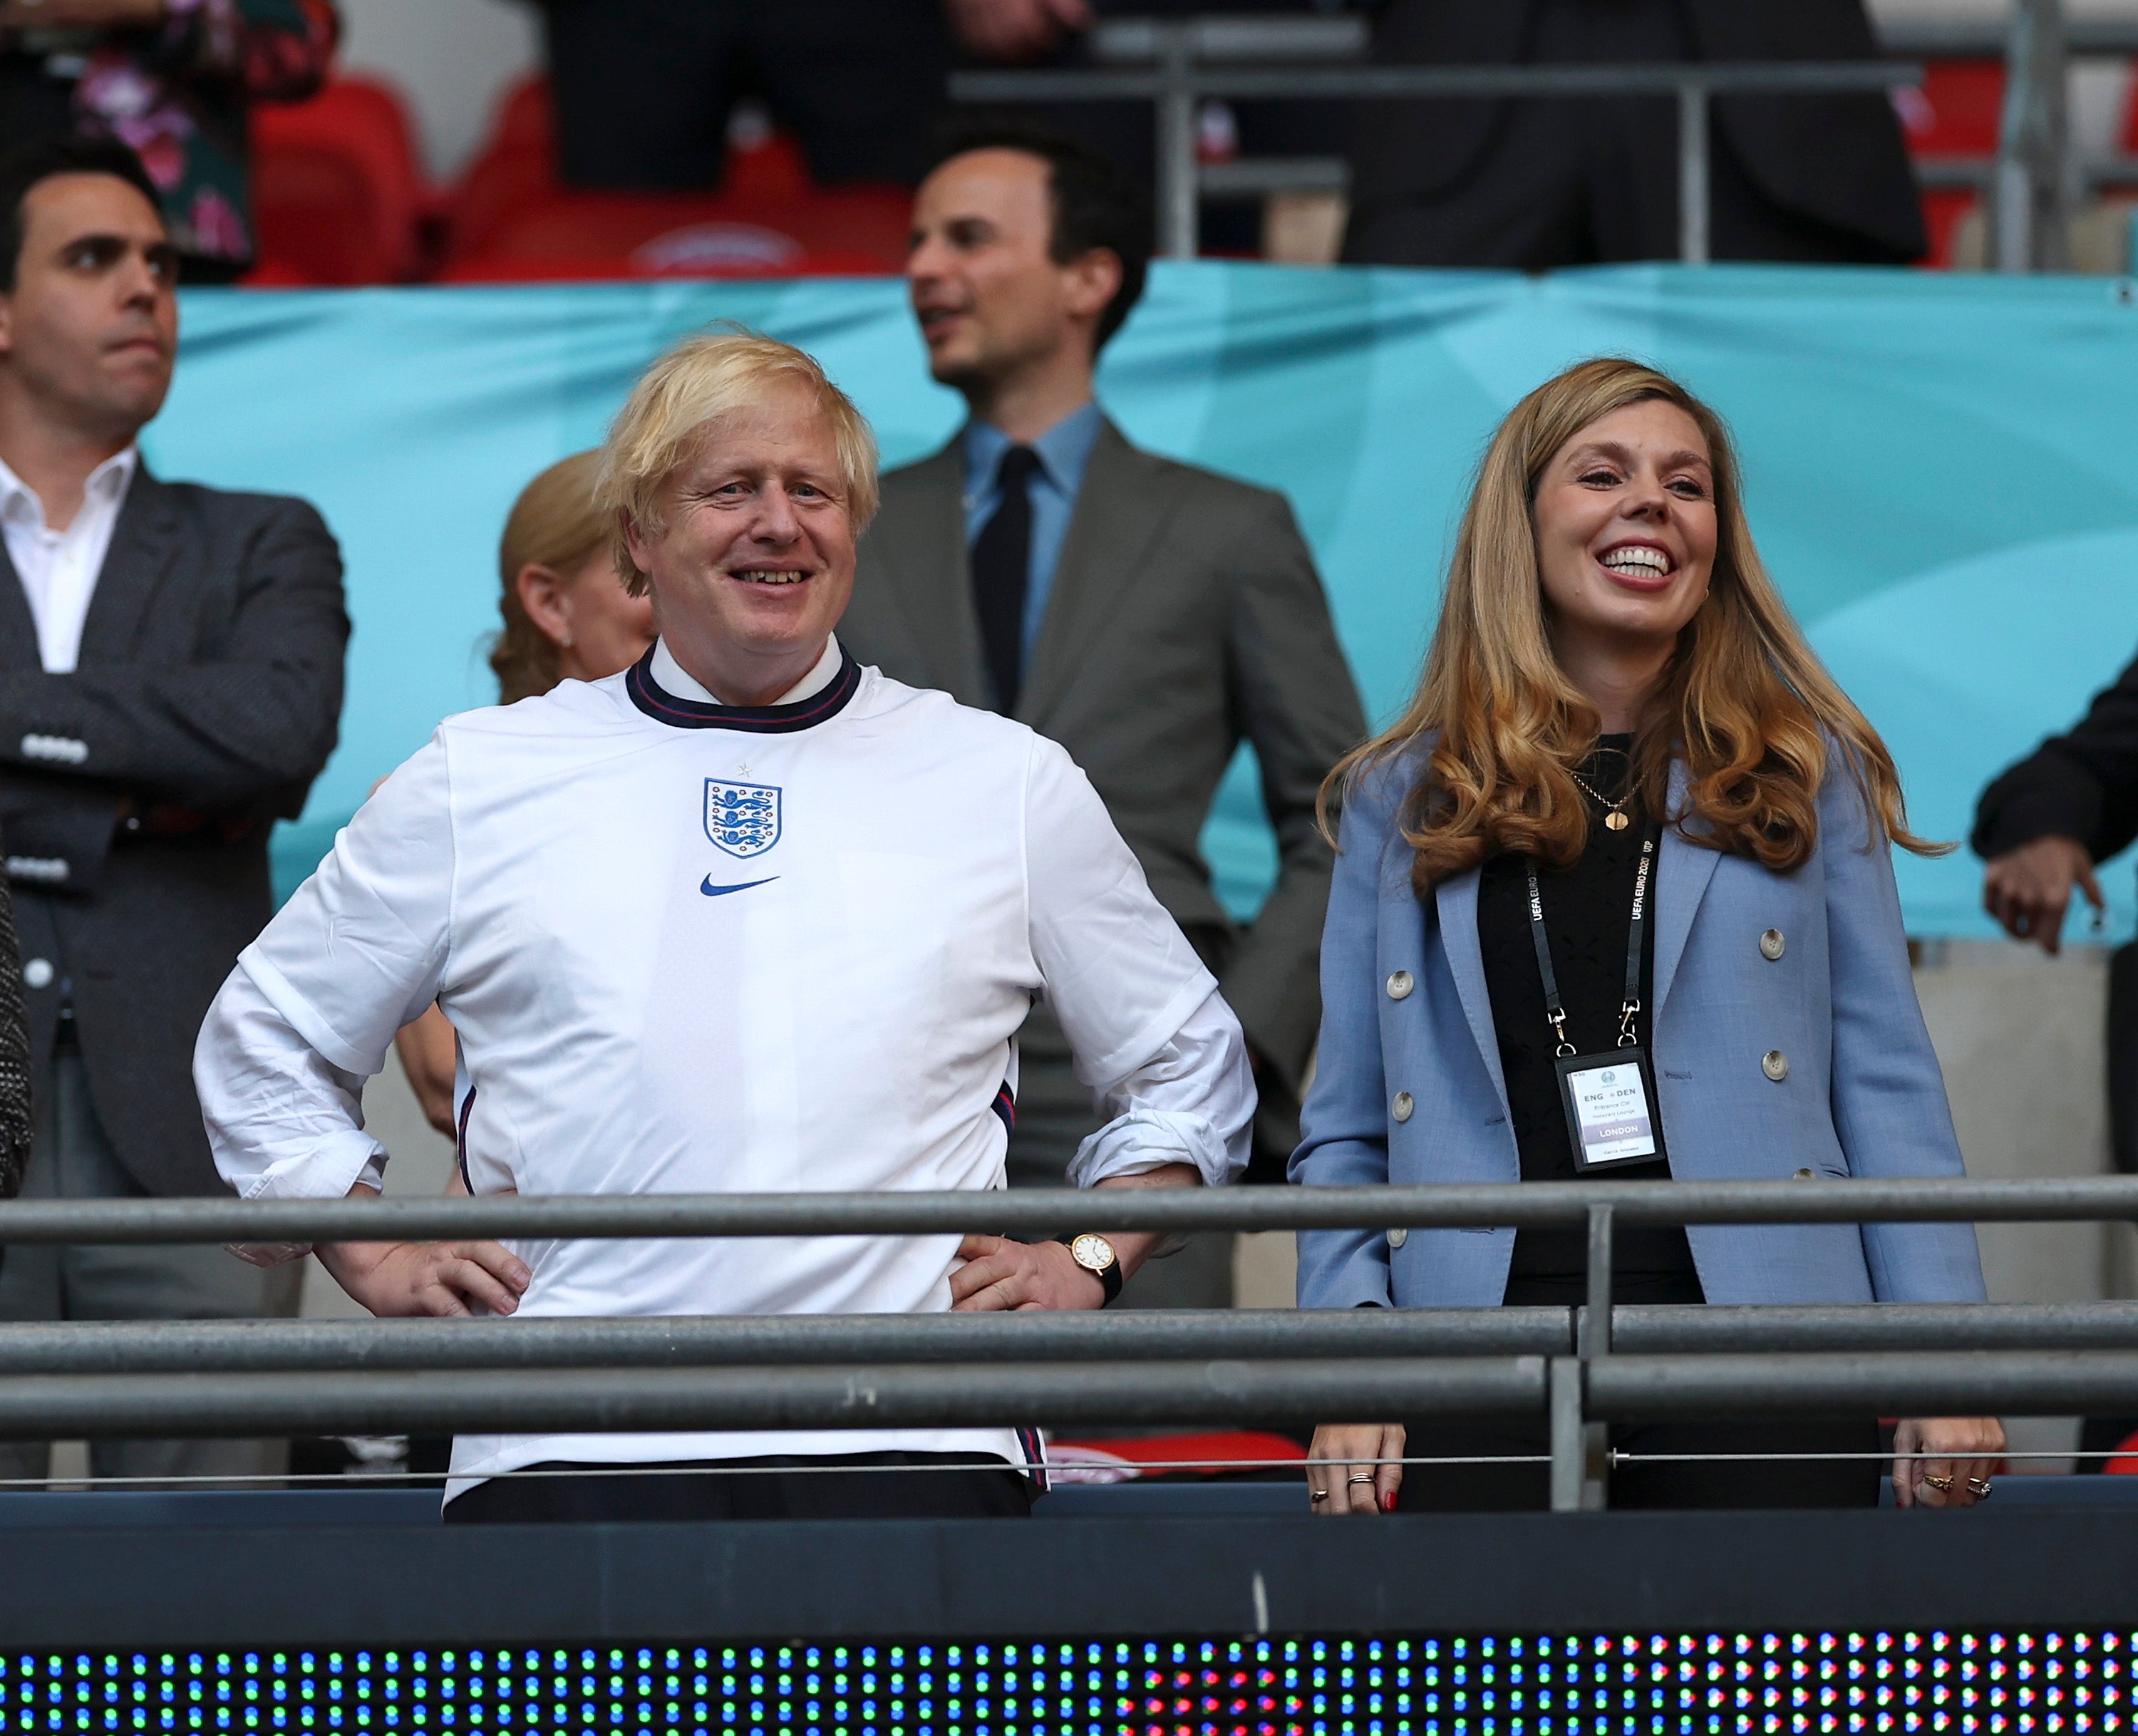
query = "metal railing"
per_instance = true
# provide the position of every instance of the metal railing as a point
(1575, 1369)
(1197, 59)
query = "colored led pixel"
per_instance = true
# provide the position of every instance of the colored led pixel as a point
(1626, 1685)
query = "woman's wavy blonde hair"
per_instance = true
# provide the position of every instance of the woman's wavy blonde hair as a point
(1745, 702)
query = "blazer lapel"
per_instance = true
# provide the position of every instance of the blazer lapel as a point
(1121, 509)
(144, 543)
(1683, 869)
(18, 627)
(926, 565)
(1457, 902)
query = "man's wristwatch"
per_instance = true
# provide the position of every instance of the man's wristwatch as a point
(1097, 1255)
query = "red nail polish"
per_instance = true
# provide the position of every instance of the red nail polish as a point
(1388, 1502)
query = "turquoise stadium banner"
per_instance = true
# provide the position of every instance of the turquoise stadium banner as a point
(1942, 472)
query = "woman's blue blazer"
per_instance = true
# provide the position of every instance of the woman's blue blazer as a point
(1862, 1095)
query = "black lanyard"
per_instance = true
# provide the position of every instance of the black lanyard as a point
(1554, 1009)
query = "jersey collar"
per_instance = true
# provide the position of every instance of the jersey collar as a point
(821, 706)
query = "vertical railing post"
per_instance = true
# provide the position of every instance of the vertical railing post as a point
(1596, 1320)
(1569, 1447)
(2030, 204)
(1179, 198)
(1694, 199)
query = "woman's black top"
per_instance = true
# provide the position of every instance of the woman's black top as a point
(1587, 909)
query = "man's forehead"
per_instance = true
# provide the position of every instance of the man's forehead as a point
(90, 203)
(997, 181)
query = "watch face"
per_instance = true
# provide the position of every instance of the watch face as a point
(1094, 1253)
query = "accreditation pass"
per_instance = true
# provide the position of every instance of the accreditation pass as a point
(1608, 1108)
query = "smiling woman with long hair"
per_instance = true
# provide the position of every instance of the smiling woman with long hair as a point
(1615, 897)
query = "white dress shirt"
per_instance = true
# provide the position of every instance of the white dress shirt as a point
(693, 949)
(59, 569)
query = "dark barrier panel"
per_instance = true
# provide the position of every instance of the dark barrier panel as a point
(344, 1587)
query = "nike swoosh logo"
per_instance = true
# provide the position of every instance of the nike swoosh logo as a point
(712, 891)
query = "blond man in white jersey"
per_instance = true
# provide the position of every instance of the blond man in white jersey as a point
(747, 917)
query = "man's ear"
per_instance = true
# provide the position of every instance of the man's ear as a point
(6, 325)
(1095, 279)
(640, 544)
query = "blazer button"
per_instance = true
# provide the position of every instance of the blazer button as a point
(1775, 1065)
(1397, 1238)
(1400, 983)
(1771, 944)
(1803, 1175)
(37, 974)
(1402, 1107)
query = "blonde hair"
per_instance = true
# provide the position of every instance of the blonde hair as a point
(553, 523)
(1744, 701)
(693, 385)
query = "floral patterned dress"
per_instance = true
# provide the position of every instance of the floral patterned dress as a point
(178, 92)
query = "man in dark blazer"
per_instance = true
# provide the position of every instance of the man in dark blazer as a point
(170, 679)
(1147, 615)
(1560, 181)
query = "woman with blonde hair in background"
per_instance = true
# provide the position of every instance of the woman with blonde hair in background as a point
(1615, 897)
(568, 617)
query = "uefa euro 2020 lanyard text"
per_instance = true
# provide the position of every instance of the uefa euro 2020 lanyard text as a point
(1609, 1098)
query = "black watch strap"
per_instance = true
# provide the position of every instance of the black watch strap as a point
(1109, 1275)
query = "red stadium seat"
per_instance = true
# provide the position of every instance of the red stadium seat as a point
(510, 221)
(336, 193)
(1155, 1455)
(1956, 113)
(2125, 1464)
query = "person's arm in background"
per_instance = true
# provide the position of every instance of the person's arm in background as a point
(1296, 701)
(240, 737)
(278, 51)
(427, 1052)
(2043, 823)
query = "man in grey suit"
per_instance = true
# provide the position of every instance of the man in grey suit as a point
(1146, 615)
(170, 679)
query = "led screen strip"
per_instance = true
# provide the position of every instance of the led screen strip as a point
(1989, 1682)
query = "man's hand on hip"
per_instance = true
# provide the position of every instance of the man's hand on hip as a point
(419, 1278)
(998, 1273)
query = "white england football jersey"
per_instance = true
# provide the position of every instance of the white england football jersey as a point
(699, 948)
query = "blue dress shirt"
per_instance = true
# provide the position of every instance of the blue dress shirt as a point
(1064, 450)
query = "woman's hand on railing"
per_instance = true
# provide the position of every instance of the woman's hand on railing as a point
(1341, 1475)
(419, 1278)
(1970, 1449)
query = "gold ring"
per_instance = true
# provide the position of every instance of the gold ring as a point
(1940, 1484)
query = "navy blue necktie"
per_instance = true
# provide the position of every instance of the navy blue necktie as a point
(1002, 575)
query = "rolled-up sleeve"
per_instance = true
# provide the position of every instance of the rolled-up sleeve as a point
(307, 1015)
(1152, 1037)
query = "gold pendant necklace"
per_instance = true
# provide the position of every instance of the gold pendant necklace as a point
(1614, 812)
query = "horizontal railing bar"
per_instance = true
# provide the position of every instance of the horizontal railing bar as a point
(1657, 1330)
(1932, 1383)
(1621, 1387)
(1989, 39)
(1046, 1211)
(64, 1407)
(1220, 38)
(1250, 176)
(1354, 83)
(145, 1347)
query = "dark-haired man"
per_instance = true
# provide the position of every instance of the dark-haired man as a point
(1148, 616)
(170, 677)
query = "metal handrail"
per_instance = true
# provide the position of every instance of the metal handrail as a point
(1180, 80)
(147, 1347)
(1043, 1211)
